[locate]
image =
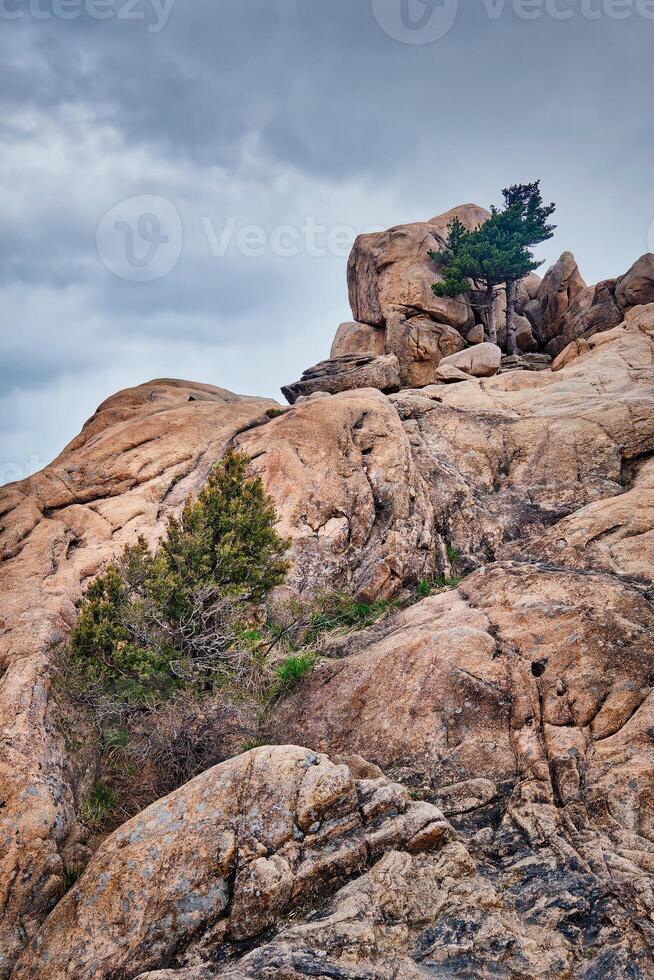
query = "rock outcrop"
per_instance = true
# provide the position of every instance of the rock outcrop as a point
(349, 495)
(347, 373)
(402, 331)
(391, 271)
(636, 287)
(558, 290)
(357, 338)
(138, 459)
(503, 823)
(228, 855)
(480, 361)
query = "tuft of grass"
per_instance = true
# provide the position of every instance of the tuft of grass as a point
(116, 738)
(274, 413)
(453, 555)
(441, 582)
(70, 876)
(99, 805)
(295, 668)
(337, 611)
(253, 743)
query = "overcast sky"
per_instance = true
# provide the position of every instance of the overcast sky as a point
(182, 179)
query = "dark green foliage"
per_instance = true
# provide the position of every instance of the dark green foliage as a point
(453, 555)
(153, 623)
(70, 876)
(497, 253)
(441, 582)
(98, 805)
(295, 668)
(227, 537)
(525, 217)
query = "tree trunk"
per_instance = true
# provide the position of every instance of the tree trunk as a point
(491, 315)
(511, 299)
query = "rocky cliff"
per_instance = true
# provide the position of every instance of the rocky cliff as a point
(465, 788)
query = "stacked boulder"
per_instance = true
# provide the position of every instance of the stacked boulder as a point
(404, 336)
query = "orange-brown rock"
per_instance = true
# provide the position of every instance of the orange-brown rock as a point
(357, 338)
(519, 704)
(391, 271)
(420, 345)
(510, 455)
(349, 494)
(558, 290)
(136, 461)
(228, 854)
(522, 705)
(636, 287)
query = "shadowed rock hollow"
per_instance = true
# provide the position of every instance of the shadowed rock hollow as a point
(475, 791)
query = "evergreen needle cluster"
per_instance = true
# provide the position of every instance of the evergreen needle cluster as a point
(498, 253)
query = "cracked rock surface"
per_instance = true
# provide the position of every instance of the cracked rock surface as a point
(228, 854)
(503, 823)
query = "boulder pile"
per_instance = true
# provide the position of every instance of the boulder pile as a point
(397, 315)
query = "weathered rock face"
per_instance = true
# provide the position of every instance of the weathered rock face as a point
(391, 271)
(516, 452)
(521, 706)
(347, 373)
(557, 292)
(227, 854)
(636, 287)
(614, 535)
(136, 461)
(480, 361)
(593, 311)
(356, 506)
(420, 345)
(348, 493)
(357, 338)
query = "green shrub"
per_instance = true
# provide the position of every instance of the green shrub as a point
(295, 668)
(453, 555)
(153, 623)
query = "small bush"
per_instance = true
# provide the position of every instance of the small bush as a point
(155, 623)
(167, 644)
(294, 669)
(453, 555)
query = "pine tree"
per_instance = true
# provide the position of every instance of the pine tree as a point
(486, 257)
(189, 602)
(497, 253)
(526, 218)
